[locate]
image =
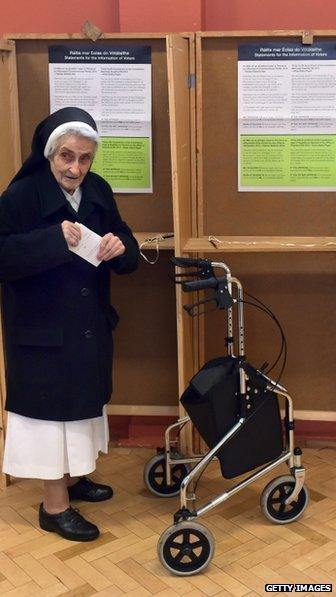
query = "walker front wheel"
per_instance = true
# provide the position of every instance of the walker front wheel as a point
(155, 477)
(273, 499)
(186, 548)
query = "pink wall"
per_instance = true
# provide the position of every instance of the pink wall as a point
(161, 15)
(57, 16)
(269, 14)
(49, 16)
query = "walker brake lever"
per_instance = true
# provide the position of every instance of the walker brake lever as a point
(191, 308)
(184, 275)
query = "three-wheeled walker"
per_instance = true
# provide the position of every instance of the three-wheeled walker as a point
(235, 408)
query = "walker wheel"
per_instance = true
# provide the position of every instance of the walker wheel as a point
(156, 480)
(186, 548)
(273, 498)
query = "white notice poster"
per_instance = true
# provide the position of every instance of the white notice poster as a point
(287, 116)
(113, 83)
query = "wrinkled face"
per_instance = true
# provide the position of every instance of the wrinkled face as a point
(72, 160)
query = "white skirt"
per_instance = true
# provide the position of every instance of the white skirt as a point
(38, 449)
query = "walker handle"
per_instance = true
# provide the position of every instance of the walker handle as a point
(200, 284)
(189, 262)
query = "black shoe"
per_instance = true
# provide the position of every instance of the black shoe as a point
(69, 524)
(88, 491)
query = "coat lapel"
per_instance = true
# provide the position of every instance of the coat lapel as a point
(50, 194)
(91, 198)
(52, 199)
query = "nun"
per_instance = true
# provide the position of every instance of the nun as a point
(58, 320)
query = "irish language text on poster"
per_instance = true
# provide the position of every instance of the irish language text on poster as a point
(287, 117)
(113, 83)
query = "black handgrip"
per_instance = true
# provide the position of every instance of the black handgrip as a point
(189, 262)
(184, 261)
(200, 284)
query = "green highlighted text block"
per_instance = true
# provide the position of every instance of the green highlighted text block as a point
(124, 162)
(288, 160)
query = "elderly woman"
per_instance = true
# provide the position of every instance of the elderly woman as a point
(58, 319)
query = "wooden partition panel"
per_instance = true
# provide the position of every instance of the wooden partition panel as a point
(298, 286)
(183, 175)
(146, 358)
(226, 211)
(145, 371)
(144, 212)
(9, 162)
(10, 153)
(300, 290)
(182, 130)
(180, 126)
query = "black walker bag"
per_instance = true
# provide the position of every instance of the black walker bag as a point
(212, 401)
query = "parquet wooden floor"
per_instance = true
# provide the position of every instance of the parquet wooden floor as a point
(250, 550)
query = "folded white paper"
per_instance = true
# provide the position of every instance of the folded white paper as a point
(88, 245)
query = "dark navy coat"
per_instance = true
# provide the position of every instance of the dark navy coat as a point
(58, 320)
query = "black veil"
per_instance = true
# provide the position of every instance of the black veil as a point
(42, 133)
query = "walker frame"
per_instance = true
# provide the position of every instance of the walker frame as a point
(186, 557)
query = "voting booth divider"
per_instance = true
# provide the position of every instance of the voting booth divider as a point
(150, 361)
(279, 244)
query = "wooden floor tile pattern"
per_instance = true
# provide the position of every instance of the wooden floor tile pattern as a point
(250, 550)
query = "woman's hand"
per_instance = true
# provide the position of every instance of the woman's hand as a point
(110, 246)
(72, 233)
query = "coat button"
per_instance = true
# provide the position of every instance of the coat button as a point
(85, 291)
(88, 334)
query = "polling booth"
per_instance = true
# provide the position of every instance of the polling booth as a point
(275, 231)
(238, 176)
(148, 344)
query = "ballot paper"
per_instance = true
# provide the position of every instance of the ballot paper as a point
(88, 245)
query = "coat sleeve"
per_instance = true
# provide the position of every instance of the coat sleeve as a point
(129, 261)
(29, 253)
